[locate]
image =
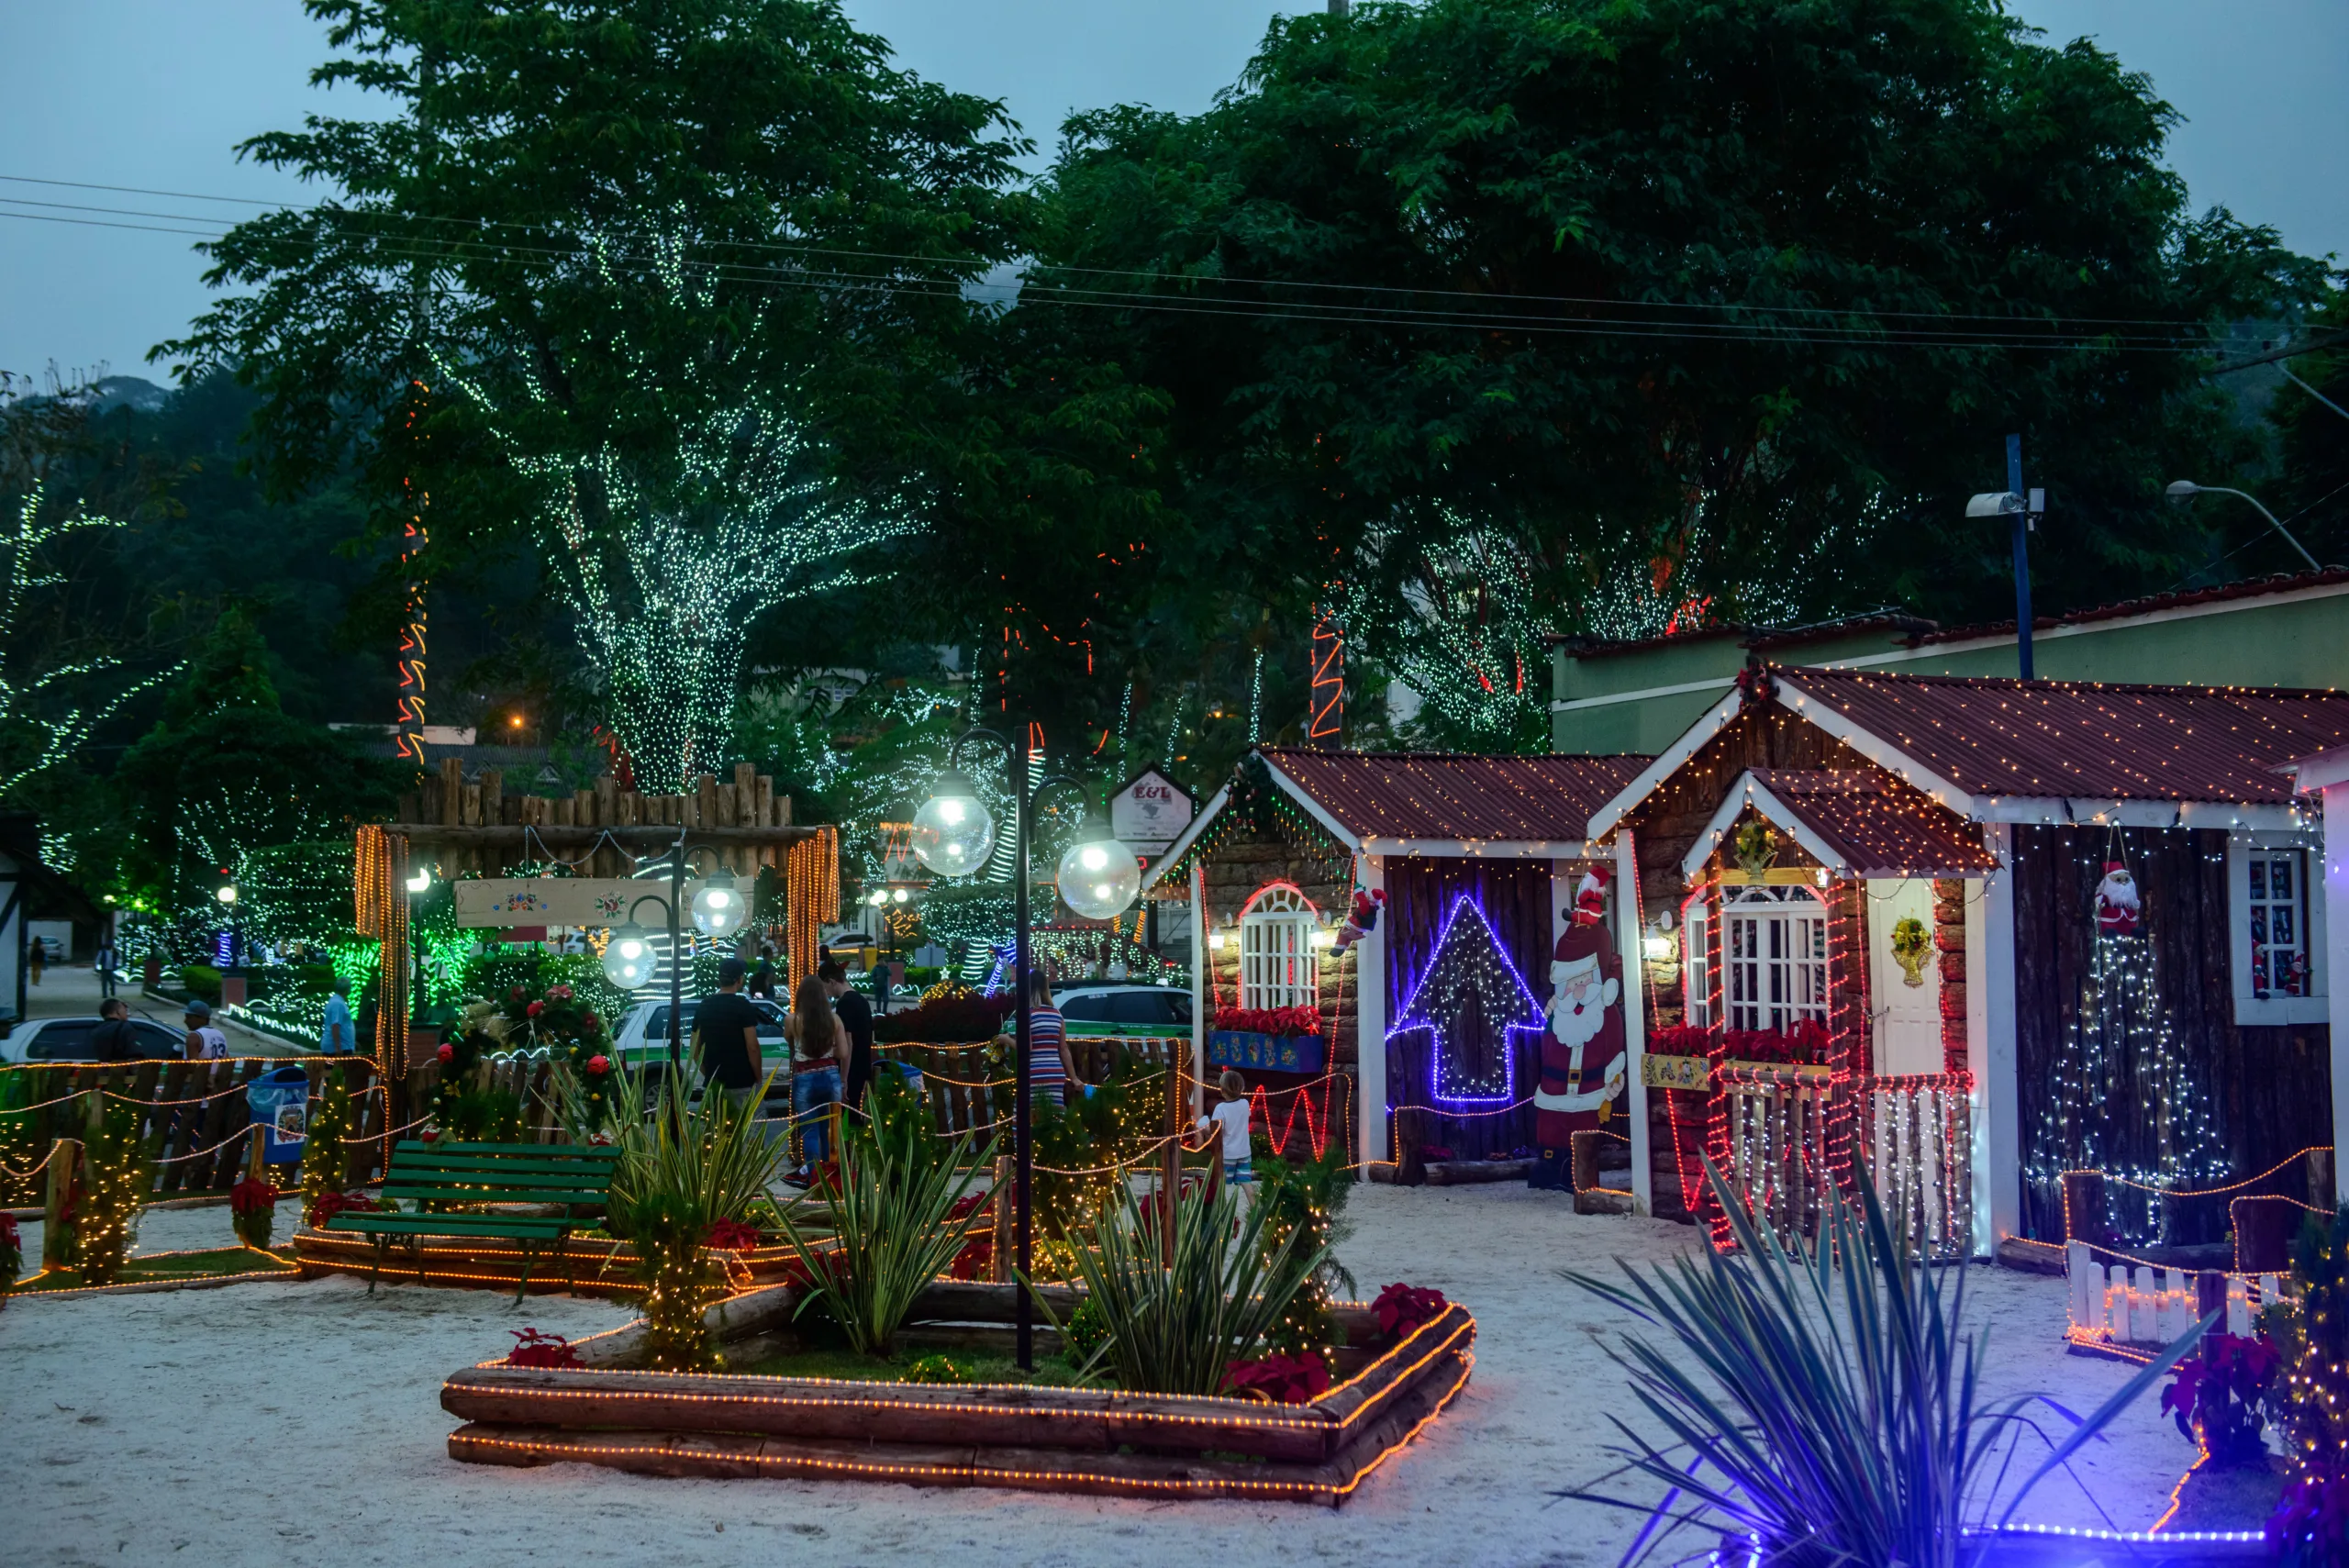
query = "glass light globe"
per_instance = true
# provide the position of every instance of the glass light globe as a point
(880, 896)
(954, 830)
(719, 907)
(898, 896)
(1099, 876)
(627, 957)
(227, 895)
(421, 882)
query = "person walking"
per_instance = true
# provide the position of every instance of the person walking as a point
(818, 1048)
(762, 978)
(1049, 1070)
(338, 1036)
(114, 1039)
(205, 1043)
(38, 956)
(1231, 1119)
(856, 1016)
(108, 959)
(726, 1035)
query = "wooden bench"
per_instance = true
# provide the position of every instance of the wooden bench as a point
(574, 1178)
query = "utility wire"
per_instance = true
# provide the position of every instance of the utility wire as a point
(324, 210)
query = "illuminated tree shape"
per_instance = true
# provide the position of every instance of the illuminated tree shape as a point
(1474, 1004)
(2124, 1100)
(668, 559)
(1464, 630)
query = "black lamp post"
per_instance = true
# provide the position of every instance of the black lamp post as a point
(952, 833)
(718, 909)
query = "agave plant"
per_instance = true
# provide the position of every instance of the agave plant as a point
(683, 1170)
(1176, 1321)
(894, 1230)
(1831, 1415)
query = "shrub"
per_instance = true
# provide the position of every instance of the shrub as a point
(945, 1018)
(894, 1229)
(1828, 1413)
(534, 1349)
(2218, 1397)
(1279, 1379)
(102, 1202)
(936, 1369)
(252, 1209)
(326, 1155)
(201, 980)
(1176, 1321)
(1305, 1198)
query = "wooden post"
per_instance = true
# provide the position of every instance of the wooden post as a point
(56, 1236)
(998, 1192)
(1169, 1177)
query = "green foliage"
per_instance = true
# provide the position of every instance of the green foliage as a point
(1176, 1321)
(894, 1231)
(201, 980)
(684, 1167)
(2314, 499)
(1089, 1143)
(326, 1155)
(1085, 1334)
(2314, 1398)
(115, 1181)
(1831, 1413)
(936, 1369)
(1302, 1203)
(1414, 277)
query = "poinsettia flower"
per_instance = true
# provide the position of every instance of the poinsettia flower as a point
(447, 1053)
(599, 1064)
(534, 1009)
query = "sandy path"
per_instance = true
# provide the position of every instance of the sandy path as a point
(293, 1424)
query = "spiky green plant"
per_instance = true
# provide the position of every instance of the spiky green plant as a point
(1833, 1413)
(684, 1167)
(894, 1230)
(1177, 1321)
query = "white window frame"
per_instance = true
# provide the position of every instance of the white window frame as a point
(2257, 1011)
(1798, 917)
(1279, 966)
(1695, 962)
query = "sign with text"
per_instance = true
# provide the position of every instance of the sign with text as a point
(1150, 813)
(505, 902)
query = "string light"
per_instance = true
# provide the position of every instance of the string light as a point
(1470, 985)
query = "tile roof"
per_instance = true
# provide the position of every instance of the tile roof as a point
(1879, 826)
(1442, 795)
(2080, 739)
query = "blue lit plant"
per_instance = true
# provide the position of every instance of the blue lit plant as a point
(1830, 1415)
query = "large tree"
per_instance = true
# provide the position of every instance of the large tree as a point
(1715, 305)
(619, 272)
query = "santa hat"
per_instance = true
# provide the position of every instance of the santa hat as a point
(1590, 896)
(2119, 886)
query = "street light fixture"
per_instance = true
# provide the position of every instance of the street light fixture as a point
(627, 957)
(717, 908)
(228, 895)
(2183, 491)
(953, 834)
(421, 881)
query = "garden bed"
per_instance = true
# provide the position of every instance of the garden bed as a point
(1026, 1436)
(584, 1266)
(162, 1271)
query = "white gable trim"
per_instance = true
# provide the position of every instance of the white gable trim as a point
(1313, 807)
(1185, 839)
(1608, 817)
(1875, 749)
(2056, 811)
(1751, 791)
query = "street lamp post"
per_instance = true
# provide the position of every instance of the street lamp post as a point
(719, 909)
(954, 830)
(2184, 490)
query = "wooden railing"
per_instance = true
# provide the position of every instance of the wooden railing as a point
(1774, 1142)
(1919, 1137)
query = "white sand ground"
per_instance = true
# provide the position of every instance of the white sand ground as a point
(294, 1424)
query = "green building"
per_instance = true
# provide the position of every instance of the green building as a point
(1640, 697)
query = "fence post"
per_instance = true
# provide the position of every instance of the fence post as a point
(1170, 1162)
(998, 1190)
(56, 1233)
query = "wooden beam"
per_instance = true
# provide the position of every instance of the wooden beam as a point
(568, 837)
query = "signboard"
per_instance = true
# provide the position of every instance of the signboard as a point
(1150, 813)
(505, 902)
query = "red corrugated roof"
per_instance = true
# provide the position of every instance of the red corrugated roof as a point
(1435, 795)
(1880, 825)
(2086, 740)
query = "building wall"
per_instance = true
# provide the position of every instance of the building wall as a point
(2268, 1089)
(2296, 638)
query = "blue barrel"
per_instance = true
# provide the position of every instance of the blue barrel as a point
(280, 1102)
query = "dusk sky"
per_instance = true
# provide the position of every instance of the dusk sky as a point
(156, 92)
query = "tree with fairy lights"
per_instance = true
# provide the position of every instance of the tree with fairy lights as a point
(2123, 1099)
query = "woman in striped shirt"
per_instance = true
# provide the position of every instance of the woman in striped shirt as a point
(1049, 1070)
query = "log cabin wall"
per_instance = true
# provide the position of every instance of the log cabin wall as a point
(2270, 1088)
(746, 799)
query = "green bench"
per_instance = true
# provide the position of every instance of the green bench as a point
(576, 1178)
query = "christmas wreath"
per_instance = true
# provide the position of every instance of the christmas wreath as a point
(562, 1023)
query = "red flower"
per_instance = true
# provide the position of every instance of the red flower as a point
(9, 1240)
(587, 1020)
(560, 994)
(1282, 1380)
(599, 1064)
(518, 993)
(731, 1236)
(534, 1009)
(534, 1349)
(251, 1195)
(331, 1204)
(447, 1053)
(1400, 1309)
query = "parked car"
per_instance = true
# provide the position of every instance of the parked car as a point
(1125, 1009)
(68, 1039)
(642, 1039)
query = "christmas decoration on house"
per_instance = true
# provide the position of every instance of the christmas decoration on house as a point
(2116, 902)
(2124, 1100)
(1474, 1004)
(1583, 1052)
(1363, 919)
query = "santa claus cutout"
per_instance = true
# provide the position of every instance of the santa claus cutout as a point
(1583, 1059)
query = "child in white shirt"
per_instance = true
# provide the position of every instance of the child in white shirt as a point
(1232, 1115)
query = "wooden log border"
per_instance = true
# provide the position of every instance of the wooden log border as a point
(1015, 1436)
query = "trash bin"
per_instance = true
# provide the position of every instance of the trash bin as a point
(280, 1102)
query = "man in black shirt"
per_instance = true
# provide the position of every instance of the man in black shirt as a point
(114, 1039)
(856, 1013)
(726, 1028)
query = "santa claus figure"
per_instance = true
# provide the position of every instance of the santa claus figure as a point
(1583, 1059)
(2116, 902)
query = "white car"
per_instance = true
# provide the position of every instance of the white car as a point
(68, 1039)
(642, 1038)
(1125, 1009)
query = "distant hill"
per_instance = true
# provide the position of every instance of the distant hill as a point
(135, 393)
